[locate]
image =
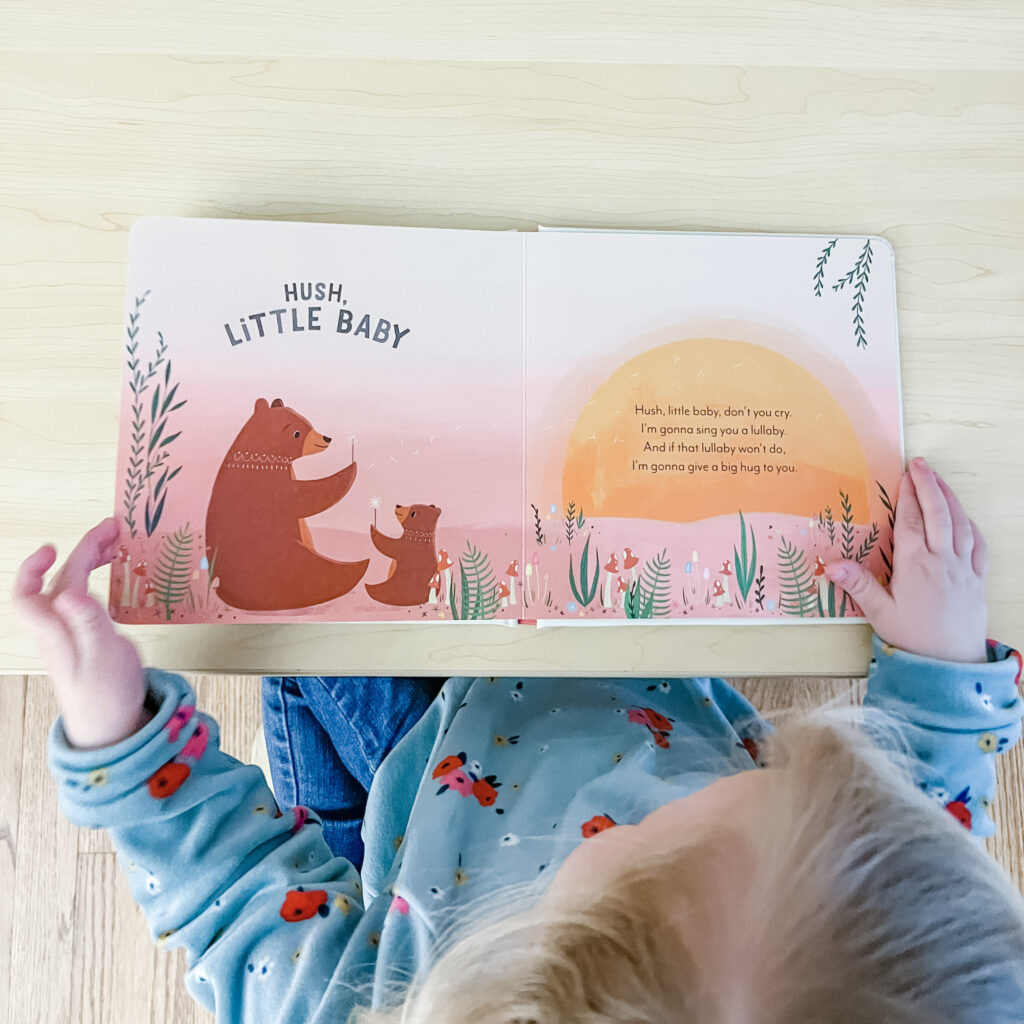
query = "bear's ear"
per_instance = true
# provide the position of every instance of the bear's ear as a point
(276, 403)
(261, 405)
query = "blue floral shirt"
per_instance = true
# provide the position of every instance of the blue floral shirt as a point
(497, 783)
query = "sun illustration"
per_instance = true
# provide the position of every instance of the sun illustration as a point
(603, 470)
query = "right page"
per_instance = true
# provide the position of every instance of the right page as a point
(710, 419)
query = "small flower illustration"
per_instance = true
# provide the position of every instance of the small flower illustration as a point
(296, 955)
(988, 742)
(461, 877)
(98, 777)
(374, 940)
(342, 903)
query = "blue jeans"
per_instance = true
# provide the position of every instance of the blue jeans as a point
(327, 735)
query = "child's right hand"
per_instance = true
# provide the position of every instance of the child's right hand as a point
(935, 603)
(97, 673)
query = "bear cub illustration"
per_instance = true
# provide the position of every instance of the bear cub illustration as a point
(414, 554)
(257, 542)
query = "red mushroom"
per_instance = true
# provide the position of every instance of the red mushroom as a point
(611, 566)
(512, 572)
(435, 587)
(503, 593)
(723, 585)
(623, 587)
(444, 565)
(630, 561)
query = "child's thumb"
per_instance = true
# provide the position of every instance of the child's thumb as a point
(860, 585)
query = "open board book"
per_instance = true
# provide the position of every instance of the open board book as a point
(335, 423)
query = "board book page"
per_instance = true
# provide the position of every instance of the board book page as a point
(341, 423)
(710, 419)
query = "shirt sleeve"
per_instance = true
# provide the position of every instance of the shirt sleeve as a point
(271, 922)
(959, 715)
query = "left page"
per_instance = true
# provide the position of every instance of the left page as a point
(319, 422)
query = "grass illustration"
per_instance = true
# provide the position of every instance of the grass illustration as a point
(832, 603)
(745, 562)
(587, 589)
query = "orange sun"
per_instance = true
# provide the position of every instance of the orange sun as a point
(607, 444)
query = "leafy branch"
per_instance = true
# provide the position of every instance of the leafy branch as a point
(847, 525)
(868, 543)
(860, 272)
(536, 524)
(891, 511)
(819, 275)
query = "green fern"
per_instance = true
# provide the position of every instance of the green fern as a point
(795, 577)
(648, 596)
(173, 575)
(479, 588)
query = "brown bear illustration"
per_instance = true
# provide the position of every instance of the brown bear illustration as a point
(415, 558)
(257, 541)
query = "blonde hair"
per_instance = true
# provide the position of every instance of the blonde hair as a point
(846, 895)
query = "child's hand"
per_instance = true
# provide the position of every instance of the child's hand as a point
(97, 673)
(935, 604)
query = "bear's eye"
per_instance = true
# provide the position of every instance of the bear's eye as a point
(413, 516)
(296, 434)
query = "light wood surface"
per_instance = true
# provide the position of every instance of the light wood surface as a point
(863, 116)
(75, 944)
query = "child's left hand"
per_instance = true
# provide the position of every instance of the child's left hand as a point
(97, 673)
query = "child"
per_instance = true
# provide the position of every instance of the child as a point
(631, 864)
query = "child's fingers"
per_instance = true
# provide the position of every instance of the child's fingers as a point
(908, 531)
(35, 610)
(963, 536)
(938, 527)
(92, 551)
(979, 556)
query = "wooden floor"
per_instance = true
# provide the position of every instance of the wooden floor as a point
(77, 946)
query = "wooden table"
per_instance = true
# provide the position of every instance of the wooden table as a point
(862, 117)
